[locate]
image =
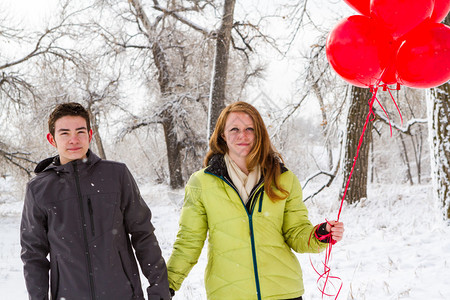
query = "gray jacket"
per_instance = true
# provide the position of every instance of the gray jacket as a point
(89, 215)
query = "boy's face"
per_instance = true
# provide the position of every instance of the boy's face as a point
(71, 138)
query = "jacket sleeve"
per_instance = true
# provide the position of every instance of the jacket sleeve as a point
(191, 235)
(137, 219)
(297, 229)
(35, 248)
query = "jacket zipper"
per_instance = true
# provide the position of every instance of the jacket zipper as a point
(83, 220)
(91, 216)
(252, 236)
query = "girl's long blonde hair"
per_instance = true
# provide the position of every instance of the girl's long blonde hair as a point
(263, 152)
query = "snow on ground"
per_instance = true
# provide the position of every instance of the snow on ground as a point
(395, 246)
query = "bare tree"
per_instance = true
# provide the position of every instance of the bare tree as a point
(439, 112)
(20, 93)
(16, 158)
(167, 116)
(181, 53)
(355, 153)
(219, 80)
(94, 99)
(319, 82)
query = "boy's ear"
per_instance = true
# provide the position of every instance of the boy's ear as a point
(90, 135)
(51, 140)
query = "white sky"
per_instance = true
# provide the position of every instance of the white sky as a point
(30, 12)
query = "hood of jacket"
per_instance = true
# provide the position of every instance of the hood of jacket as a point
(53, 163)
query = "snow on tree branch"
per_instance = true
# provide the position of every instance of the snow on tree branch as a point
(406, 130)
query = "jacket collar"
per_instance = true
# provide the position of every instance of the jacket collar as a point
(53, 163)
(216, 166)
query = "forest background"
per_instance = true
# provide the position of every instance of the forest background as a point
(153, 75)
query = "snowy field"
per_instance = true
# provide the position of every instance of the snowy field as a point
(395, 245)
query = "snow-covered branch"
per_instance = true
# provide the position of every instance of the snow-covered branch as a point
(18, 159)
(180, 18)
(331, 174)
(406, 130)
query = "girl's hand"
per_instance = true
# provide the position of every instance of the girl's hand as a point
(336, 229)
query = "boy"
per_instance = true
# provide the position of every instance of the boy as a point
(82, 211)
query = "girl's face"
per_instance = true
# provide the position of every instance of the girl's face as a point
(239, 134)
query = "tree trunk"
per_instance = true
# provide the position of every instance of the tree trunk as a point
(405, 158)
(218, 84)
(324, 124)
(173, 151)
(417, 142)
(439, 134)
(97, 139)
(357, 188)
(95, 132)
(168, 120)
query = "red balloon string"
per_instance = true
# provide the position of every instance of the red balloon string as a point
(386, 88)
(324, 276)
(387, 115)
(393, 100)
(361, 138)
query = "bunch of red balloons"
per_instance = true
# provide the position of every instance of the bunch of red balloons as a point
(392, 41)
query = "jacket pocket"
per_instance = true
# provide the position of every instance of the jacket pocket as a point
(91, 216)
(124, 269)
(100, 213)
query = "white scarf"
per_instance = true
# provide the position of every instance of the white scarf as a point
(244, 183)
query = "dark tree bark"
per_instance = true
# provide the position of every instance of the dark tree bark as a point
(405, 158)
(357, 115)
(439, 114)
(168, 120)
(218, 85)
(97, 138)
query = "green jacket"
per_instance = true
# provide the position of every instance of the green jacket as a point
(249, 253)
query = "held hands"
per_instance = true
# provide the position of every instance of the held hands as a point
(336, 229)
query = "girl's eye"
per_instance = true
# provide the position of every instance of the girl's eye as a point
(234, 129)
(250, 129)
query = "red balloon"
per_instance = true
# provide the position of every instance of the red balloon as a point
(361, 6)
(358, 50)
(423, 60)
(440, 11)
(390, 74)
(400, 16)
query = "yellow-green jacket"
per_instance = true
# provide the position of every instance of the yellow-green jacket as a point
(249, 253)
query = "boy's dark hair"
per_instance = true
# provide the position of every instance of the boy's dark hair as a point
(67, 109)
